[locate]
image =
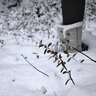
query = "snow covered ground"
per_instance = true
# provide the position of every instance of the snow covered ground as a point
(18, 78)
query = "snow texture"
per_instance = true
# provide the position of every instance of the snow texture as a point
(20, 33)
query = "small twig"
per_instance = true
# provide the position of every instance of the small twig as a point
(84, 55)
(34, 66)
(59, 59)
(74, 59)
(71, 77)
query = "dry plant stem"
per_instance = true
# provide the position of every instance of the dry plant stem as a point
(34, 66)
(84, 55)
(71, 78)
(69, 73)
(59, 59)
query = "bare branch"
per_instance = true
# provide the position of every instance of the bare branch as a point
(84, 55)
(33, 66)
(71, 77)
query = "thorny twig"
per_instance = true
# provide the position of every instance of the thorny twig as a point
(84, 55)
(34, 66)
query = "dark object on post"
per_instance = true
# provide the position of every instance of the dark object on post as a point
(84, 47)
(72, 11)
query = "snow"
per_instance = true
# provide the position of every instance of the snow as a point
(18, 78)
(71, 26)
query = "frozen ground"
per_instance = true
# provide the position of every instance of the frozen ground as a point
(18, 78)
